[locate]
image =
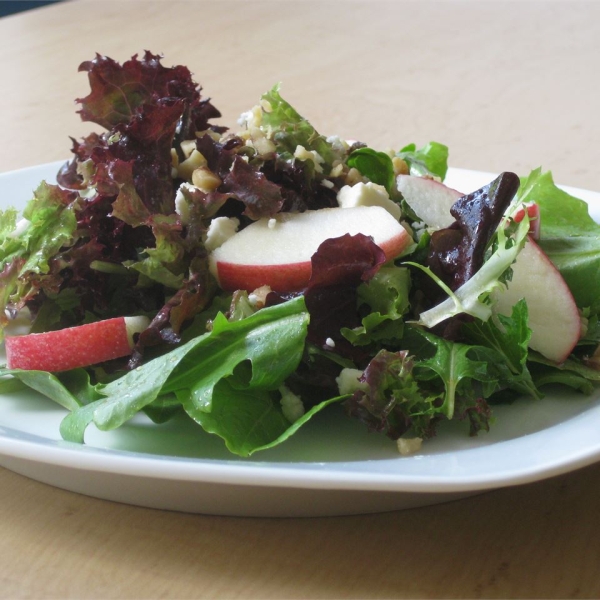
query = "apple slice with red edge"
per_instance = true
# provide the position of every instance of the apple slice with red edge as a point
(277, 252)
(553, 315)
(74, 347)
(429, 199)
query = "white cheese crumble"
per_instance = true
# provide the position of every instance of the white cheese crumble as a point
(182, 205)
(20, 228)
(408, 446)
(219, 231)
(251, 118)
(348, 381)
(291, 404)
(329, 342)
(367, 194)
(338, 144)
(271, 223)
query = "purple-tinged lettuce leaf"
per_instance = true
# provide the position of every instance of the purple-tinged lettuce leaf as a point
(394, 402)
(339, 267)
(456, 253)
(261, 197)
(117, 91)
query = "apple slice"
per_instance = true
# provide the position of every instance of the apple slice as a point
(74, 347)
(277, 252)
(553, 315)
(430, 200)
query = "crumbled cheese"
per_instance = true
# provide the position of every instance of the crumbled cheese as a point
(219, 231)
(258, 297)
(338, 144)
(408, 446)
(21, 227)
(329, 342)
(182, 204)
(291, 404)
(328, 184)
(271, 223)
(348, 381)
(367, 194)
(251, 118)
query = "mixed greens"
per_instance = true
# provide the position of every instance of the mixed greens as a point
(402, 345)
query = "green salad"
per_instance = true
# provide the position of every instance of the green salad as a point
(249, 278)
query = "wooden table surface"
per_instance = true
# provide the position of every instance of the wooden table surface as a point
(507, 86)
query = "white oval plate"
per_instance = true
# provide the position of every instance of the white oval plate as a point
(330, 467)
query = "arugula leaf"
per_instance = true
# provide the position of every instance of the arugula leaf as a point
(71, 389)
(272, 340)
(377, 166)
(571, 372)
(504, 346)
(455, 369)
(247, 420)
(432, 159)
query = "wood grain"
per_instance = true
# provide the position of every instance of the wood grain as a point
(508, 86)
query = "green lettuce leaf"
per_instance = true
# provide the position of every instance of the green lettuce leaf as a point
(432, 159)
(569, 236)
(376, 166)
(386, 296)
(289, 129)
(51, 225)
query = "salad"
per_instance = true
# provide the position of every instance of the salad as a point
(252, 278)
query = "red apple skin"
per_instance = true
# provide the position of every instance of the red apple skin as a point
(280, 278)
(287, 277)
(70, 348)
